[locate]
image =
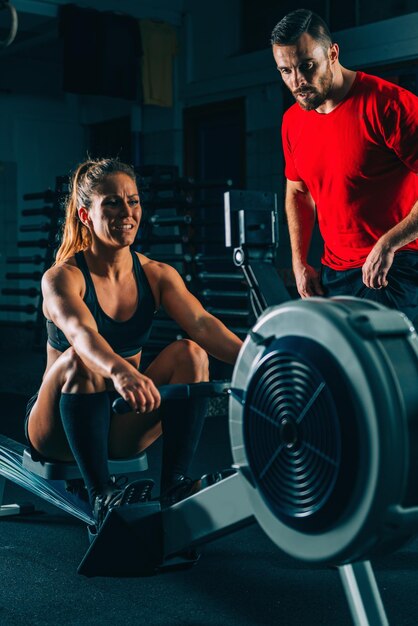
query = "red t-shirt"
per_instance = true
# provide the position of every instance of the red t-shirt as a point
(359, 163)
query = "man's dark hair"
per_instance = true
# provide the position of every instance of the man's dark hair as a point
(294, 24)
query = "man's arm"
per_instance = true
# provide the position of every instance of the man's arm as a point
(300, 211)
(380, 258)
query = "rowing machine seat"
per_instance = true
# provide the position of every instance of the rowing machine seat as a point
(55, 470)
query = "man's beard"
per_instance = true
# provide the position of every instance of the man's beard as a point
(315, 97)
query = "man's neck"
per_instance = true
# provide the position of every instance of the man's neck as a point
(343, 81)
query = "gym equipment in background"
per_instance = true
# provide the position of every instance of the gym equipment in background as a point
(251, 229)
(26, 284)
(182, 225)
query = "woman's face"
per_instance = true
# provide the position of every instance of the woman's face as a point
(115, 211)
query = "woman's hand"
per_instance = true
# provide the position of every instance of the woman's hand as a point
(138, 390)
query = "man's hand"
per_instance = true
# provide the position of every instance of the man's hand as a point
(307, 281)
(377, 265)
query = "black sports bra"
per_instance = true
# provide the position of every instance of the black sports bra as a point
(126, 338)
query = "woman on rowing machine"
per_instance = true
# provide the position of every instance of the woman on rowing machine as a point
(99, 302)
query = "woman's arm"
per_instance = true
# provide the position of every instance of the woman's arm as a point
(209, 332)
(61, 289)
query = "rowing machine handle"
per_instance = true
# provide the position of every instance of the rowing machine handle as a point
(181, 391)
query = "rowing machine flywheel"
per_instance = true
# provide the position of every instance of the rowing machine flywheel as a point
(324, 427)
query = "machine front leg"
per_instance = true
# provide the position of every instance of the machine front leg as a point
(362, 594)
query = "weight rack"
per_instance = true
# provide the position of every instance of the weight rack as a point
(34, 255)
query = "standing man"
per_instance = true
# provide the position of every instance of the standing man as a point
(351, 153)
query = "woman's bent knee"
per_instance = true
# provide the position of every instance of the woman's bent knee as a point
(191, 353)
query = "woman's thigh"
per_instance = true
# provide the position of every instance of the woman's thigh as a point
(44, 427)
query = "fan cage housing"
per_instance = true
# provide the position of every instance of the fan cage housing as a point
(300, 433)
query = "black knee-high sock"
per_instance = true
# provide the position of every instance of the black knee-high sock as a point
(182, 424)
(86, 421)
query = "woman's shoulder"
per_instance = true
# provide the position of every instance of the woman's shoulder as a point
(154, 267)
(65, 272)
(161, 277)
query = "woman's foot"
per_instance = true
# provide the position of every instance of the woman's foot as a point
(132, 493)
(184, 486)
(181, 489)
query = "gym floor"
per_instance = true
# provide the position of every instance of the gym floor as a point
(241, 579)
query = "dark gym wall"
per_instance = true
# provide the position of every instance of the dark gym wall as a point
(111, 137)
(214, 141)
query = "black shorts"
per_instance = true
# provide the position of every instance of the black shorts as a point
(401, 292)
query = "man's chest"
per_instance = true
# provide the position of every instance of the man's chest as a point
(343, 149)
